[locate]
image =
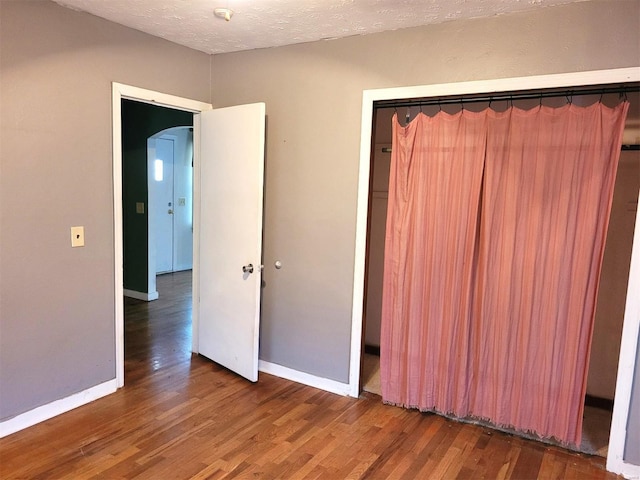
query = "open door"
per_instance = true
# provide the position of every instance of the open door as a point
(230, 272)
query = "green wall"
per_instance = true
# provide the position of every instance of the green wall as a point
(139, 122)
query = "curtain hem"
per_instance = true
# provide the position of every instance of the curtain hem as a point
(487, 423)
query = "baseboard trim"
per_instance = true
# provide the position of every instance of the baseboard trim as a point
(147, 297)
(372, 349)
(50, 410)
(598, 402)
(620, 467)
(326, 384)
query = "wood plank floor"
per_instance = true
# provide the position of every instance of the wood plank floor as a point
(182, 417)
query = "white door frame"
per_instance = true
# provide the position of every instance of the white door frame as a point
(119, 92)
(629, 345)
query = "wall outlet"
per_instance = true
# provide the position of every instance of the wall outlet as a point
(77, 236)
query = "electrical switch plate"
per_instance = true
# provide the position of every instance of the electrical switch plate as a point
(77, 236)
(182, 201)
(139, 207)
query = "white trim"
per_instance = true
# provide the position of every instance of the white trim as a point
(50, 410)
(152, 271)
(195, 271)
(620, 467)
(147, 297)
(632, 315)
(160, 99)
(118, 246)
(326, 384)
(560, 80)
(120, 91)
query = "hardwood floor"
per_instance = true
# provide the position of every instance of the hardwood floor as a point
(182, 417)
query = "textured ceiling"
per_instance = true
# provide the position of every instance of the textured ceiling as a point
(270, 23)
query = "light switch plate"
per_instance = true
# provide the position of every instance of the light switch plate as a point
(139, 207)
(182, 201)
(77, 236)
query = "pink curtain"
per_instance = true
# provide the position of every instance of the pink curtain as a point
(488, 310)
(548, 187)
(434, 193)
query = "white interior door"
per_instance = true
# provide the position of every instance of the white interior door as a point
(230, 276)
(163, 208)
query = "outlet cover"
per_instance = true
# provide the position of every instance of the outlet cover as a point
(77, 236)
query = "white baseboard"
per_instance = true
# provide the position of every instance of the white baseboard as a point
(326, 384)
(620, 467)
(45, 412)
(147, 297)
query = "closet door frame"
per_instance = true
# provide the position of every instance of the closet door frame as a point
(629, 343)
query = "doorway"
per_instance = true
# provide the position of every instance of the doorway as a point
(141, 121)
(157, 165)
(220, 268)
(615, 271)
(608, 77)
(126, 92)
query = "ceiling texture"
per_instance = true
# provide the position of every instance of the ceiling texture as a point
(271, 23)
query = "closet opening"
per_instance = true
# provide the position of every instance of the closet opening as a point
(609, 316)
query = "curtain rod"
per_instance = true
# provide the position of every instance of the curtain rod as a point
(626, 147)
(504, 96)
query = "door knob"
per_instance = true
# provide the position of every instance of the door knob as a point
(170, 211)
(247, 268)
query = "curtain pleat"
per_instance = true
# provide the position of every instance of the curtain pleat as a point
(490, 282)
(547, 193)
(434, 192)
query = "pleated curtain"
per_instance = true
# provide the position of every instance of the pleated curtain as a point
(495, 236)
(434, 193)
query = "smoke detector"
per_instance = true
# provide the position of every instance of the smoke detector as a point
(225, 13)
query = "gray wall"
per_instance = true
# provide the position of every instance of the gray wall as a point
(313, 94)
(57, 303)
(632, 442)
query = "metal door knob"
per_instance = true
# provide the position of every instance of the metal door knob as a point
(170, 211)
(247, 268)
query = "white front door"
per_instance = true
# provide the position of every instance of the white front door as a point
(230, 271)
(162, 209)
